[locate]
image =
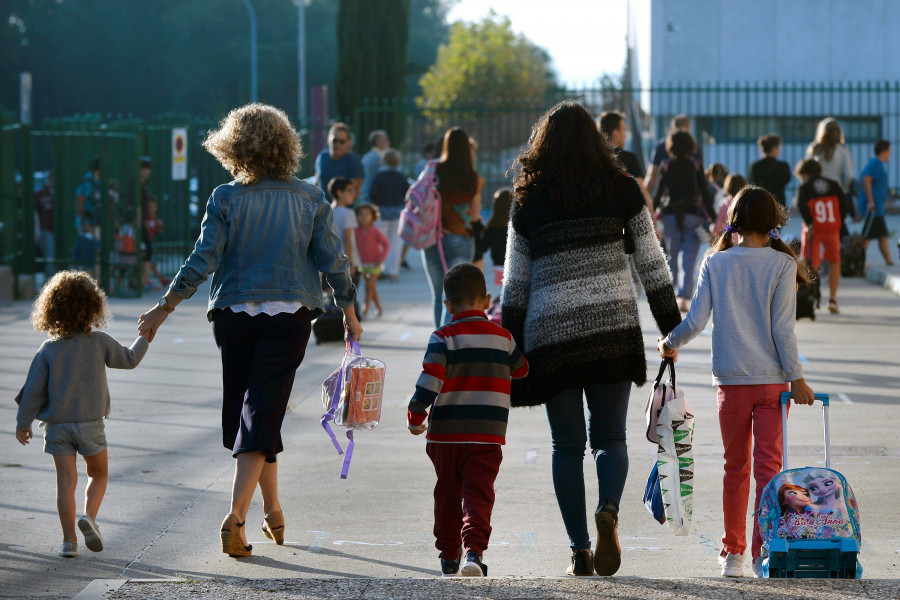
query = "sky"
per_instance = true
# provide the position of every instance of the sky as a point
(585, 38)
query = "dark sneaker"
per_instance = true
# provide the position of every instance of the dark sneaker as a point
(450, 568)
(607, 554)
(405, 266)
(473, 567)
(582, 563)
(91, 533)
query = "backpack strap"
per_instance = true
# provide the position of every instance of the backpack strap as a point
(352, 350)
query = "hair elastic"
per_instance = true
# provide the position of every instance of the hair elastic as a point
(774, 234)
(729, 228)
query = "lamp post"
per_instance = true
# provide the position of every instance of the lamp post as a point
(253, 73)
(301, 63)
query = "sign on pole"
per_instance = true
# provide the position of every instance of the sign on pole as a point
(179, 154)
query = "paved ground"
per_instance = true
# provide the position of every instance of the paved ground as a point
(170, 478)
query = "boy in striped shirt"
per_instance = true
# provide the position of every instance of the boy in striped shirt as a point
(466, 381)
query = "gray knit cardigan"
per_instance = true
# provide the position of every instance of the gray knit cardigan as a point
(568, 297)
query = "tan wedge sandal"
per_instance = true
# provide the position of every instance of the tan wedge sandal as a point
(231, 540)
(273, 526)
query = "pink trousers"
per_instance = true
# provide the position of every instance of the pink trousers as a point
(748, 414)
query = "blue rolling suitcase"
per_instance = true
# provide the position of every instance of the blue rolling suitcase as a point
(809, 518)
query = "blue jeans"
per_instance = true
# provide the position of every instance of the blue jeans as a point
(607, 409)
(682, 245)
(457, 249)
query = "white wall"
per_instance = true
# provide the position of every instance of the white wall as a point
(772, 40)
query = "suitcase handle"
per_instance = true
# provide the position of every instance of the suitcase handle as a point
(785, 400)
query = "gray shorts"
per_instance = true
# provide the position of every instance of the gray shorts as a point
(88, 438)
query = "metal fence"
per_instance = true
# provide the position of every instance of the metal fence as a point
(112, 247)
(727, 119)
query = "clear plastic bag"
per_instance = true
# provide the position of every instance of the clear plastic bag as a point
(357, 402)
(352, 397)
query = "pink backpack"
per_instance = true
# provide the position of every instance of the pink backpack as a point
(420, 220)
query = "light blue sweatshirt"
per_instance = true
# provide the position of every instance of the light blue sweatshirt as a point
(752, 295)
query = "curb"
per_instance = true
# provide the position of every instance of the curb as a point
(100, 589)
(884, 279)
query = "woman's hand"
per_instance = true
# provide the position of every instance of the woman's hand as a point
(665, 351)
(352, 328)
(149, 322)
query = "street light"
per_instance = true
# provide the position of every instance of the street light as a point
(253, 74)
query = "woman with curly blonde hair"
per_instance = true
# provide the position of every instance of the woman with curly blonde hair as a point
(66, 389)
(264, 238)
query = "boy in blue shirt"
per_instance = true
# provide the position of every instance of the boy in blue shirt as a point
(873, 197)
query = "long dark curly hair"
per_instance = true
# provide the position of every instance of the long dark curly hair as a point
(568, 163)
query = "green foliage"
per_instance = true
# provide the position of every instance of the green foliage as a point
(487, 61)
(145, 57)
(372, 40)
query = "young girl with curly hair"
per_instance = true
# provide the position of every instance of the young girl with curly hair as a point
(66, 390)
(749, 289)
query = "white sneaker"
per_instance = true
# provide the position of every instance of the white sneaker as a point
(92, 538)
(732, 564)
(758, 567)
(69, 549)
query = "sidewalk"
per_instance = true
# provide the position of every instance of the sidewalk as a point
(370, 536)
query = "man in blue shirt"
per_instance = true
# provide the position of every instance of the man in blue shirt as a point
(338, 161)
(873, 197)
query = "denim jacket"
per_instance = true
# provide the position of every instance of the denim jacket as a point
(267, 242)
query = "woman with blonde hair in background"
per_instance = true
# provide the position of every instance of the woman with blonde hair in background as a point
(830, 150)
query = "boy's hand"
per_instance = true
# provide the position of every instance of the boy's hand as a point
(417, 429)
(23, 435)
(802, 393)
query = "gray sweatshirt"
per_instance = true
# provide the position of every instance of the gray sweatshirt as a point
(752, 293)
(67, 379)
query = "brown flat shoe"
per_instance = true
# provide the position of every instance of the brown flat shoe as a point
(273, 526)
(608, 553)
(231, 540)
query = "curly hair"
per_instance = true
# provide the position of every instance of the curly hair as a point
(254, 141)
(71, 302)
(569, 162)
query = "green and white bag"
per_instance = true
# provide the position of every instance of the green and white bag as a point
(675, 459)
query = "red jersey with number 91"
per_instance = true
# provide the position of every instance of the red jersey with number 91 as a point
(826, 215)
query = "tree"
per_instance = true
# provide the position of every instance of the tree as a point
(372, 51)
(428, 29)
(488, 61)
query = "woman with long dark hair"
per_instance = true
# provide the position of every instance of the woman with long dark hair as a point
(458, 186)
(569, 302)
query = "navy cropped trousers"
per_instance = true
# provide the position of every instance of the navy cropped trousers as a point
(260, 355)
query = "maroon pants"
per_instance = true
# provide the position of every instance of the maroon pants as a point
(463, 495)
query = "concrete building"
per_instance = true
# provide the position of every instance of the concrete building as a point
(743, 68)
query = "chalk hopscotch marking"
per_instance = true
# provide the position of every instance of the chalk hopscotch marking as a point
(404, 336)
(317, 544)
(342, 542)
(844, 398)
(803, 359)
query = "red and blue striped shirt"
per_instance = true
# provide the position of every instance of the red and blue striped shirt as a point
(465, 381)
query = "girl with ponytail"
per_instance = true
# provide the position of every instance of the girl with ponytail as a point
(748, 285)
